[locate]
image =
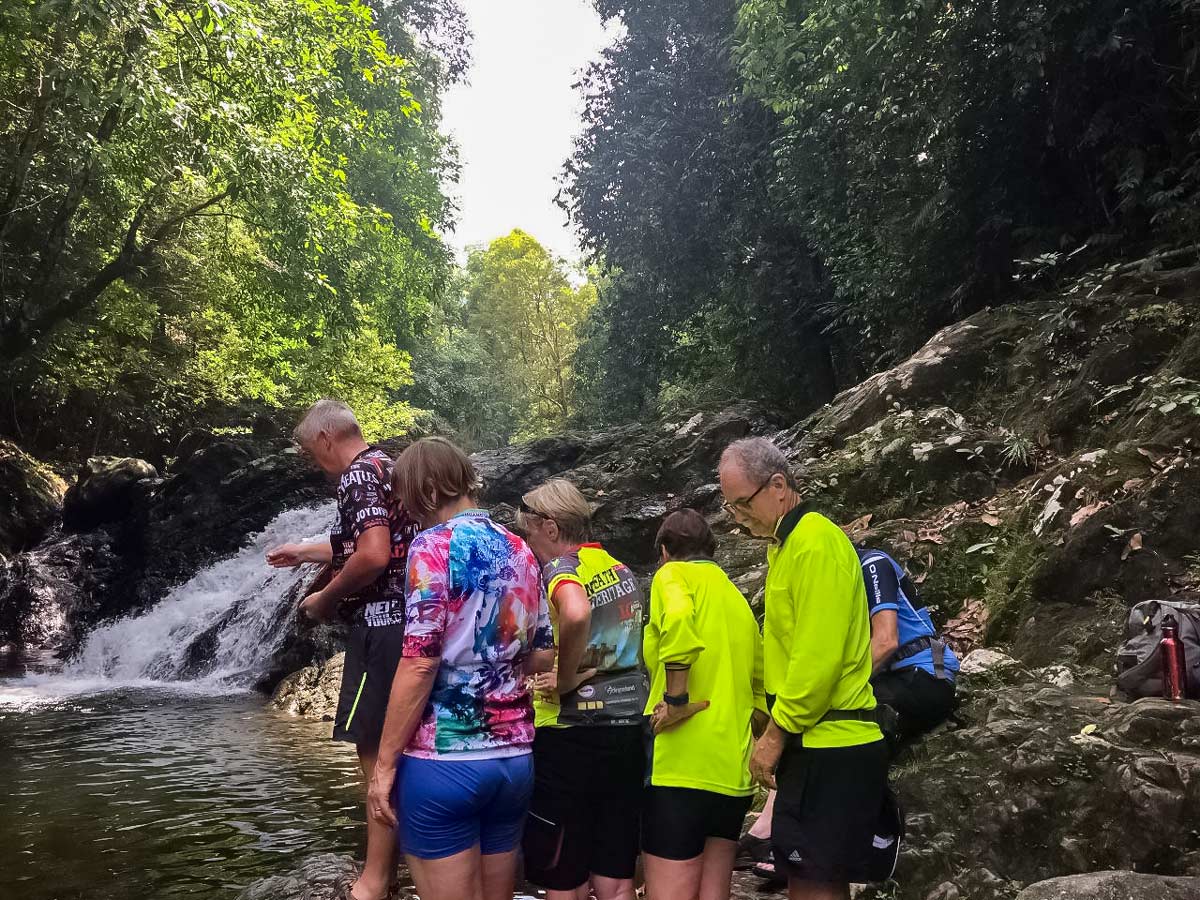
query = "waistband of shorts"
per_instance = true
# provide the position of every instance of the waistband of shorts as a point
(472, 755)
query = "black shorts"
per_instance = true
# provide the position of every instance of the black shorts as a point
(827, 809)
(372, 654)
(921, 700)
(587, 796)
(677, 821)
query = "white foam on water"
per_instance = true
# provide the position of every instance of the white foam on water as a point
(211, 635)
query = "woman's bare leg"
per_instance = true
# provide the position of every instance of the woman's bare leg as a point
(674, 879)
(606, 888)
(499, 875)
(457, 877)
(717, 876)
(377, 871)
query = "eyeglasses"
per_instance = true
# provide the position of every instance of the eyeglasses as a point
(530, 511)
(743, 505)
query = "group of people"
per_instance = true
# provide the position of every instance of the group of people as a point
(516, 698)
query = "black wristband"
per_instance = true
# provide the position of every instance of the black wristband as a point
(675, 699)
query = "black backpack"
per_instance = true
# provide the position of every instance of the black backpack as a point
(1139, 661)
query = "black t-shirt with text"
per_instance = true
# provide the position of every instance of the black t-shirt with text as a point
(364, 500)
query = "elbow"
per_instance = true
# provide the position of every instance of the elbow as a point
(421, 668)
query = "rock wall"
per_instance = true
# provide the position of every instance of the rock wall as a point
(129, 535)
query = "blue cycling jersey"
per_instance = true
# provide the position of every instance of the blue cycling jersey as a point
(884, 577)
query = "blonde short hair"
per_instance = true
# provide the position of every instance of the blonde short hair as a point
(561, 501)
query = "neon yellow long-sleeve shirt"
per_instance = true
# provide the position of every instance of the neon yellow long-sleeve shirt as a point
(817, 633)
(698, 618)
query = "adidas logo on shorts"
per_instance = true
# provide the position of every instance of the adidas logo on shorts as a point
(795, 857)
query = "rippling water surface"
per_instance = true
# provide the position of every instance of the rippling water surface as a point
(150, 792)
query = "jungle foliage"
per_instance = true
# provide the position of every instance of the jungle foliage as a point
(788, 195)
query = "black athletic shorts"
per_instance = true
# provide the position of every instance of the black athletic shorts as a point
(921, 700)
(372, 654)
(826, 810)
(587, 797)
(677, 821)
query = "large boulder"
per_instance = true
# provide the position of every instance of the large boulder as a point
(31, 497)
(51, 594)
(1042, 781)
(1113, 886)
(312, 692)
(106, 490)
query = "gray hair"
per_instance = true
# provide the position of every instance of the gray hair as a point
(333, 417)
(759, 458)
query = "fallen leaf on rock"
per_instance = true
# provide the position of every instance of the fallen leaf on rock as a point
(1135, 544)
(1086, 512)
(1133, 484)
(965, 630)
(1088, 729)
(858, 525)
(989, 519)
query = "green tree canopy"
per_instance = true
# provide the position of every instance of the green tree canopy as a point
(502, 365)
(204, 203)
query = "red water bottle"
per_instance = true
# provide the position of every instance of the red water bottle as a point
(1173, 665)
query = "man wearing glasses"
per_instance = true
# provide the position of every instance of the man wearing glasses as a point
(822, 750)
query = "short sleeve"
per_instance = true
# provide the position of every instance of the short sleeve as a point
(365, 500)
(427, 596)
(673, 609)
(883, 588)
(563, 570)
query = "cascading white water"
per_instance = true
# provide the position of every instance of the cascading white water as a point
(220, 627)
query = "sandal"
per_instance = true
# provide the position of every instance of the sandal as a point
(772, 877)
(751, 851)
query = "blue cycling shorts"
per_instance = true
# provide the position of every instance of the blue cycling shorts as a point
(446, 806)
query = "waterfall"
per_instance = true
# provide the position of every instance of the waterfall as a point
(219, 629)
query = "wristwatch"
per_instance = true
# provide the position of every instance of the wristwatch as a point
(675, 699)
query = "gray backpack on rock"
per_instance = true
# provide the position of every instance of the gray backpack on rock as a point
(1139, 661)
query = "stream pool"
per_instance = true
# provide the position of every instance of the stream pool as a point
(147, 791)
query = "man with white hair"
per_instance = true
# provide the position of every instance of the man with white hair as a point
(367, 553)
(823, 749)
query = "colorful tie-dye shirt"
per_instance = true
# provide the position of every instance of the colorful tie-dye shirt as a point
(475, 599)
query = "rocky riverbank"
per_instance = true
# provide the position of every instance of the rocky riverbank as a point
(1033, 466)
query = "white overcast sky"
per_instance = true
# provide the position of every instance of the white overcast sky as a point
(515, 118)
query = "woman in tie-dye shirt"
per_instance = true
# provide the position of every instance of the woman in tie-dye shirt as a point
(455, 754)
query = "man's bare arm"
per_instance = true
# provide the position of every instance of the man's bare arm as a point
(290, 555)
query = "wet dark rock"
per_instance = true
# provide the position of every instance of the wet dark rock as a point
(1113, 886)
(189, 444)
(326, 876)
(31, 497)
(106, 490)
(52, 594)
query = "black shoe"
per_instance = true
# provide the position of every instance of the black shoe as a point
(752, 851)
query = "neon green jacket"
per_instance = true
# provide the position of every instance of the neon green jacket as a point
(817, 633)
(698, 618)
